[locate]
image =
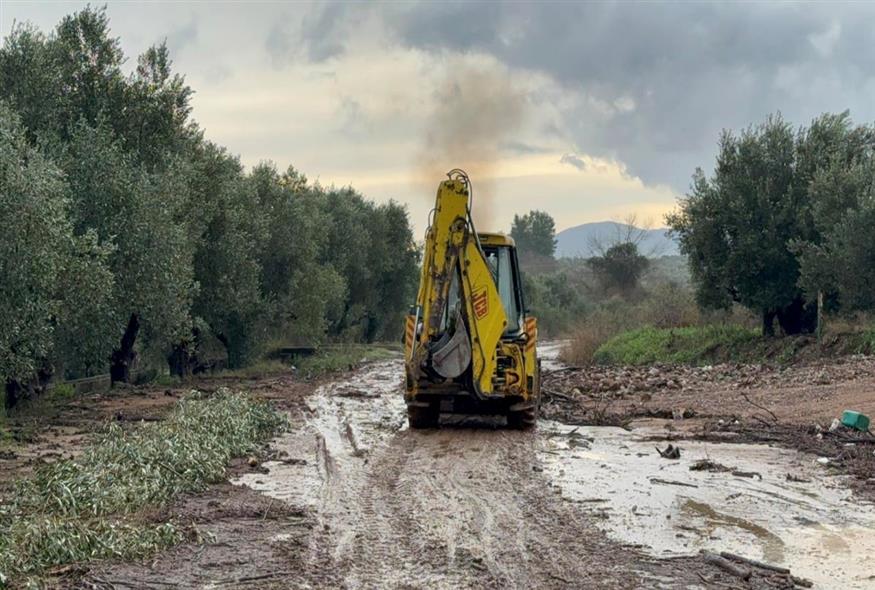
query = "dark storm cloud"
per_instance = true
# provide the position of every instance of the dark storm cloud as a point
(660, 80)
(320, 34)
(573, 160)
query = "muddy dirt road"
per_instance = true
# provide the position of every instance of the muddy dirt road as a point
(351, 498)
(462, 507)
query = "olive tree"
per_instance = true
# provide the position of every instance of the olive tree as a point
(33, 233)
(151, 258)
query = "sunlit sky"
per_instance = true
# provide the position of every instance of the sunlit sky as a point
(588, 111)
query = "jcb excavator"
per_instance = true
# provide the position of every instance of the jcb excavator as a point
(469, 343)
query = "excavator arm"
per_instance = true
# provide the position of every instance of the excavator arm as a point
(459, 317)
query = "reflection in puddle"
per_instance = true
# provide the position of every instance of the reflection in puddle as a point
(772, 545)
(814, 527)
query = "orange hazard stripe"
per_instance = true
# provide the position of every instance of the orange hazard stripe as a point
(532, 331)
(410, 329)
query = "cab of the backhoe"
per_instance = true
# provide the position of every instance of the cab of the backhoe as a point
(501, 255)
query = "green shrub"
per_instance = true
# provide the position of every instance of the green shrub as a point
(263, 368)
(63, 391)
(75, 510)
(689, 345)
(341, 358)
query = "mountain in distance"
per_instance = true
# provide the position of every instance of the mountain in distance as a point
(581, 240)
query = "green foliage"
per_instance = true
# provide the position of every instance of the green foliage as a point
(225, 226)
(341, 358)
(534, 233)
(131, 237)
(555, 299)
(83, 338)
(133, 211)
(35, 244)
(63, 391)
(774, 218)
(76, 510)
(260, 369)
(620, 269)
(840, 264)
(691, 345)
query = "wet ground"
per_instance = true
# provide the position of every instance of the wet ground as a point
(461, 507)
(770, 504)
(351, 498)
(384, 495)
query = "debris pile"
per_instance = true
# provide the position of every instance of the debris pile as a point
(623, 380)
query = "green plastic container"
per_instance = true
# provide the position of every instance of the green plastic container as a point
(856, 420)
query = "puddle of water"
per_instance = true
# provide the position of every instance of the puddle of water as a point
(548, 352)
(817, 528)
(345, 421)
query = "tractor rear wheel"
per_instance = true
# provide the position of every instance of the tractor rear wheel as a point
(523, 419)
(423, 416)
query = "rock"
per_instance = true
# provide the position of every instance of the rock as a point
(822, 378)
(823, 460)
(670, 452)
(836, 424)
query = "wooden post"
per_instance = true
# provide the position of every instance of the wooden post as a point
(820, 317)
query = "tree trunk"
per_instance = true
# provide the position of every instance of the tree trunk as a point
(179, 360)
(798, 318)
(16, 391)
(224, 340)
(183, 359)
(13, 394)
(123, 357)
(768, 323)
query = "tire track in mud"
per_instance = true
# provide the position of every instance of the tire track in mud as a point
(449, 508)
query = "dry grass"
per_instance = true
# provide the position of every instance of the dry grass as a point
(588, 337)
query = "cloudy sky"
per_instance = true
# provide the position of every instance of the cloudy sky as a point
(589, 111)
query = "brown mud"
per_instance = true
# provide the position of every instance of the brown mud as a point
(351, 498)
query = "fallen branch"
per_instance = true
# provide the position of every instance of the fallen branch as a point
(557, 394)
(801, 582)
(726, 565)
(756, 405)
(755, 563)
(670, 482)
(761, 420)
(750, 474)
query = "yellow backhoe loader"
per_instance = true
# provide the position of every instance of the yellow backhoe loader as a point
(469, 343)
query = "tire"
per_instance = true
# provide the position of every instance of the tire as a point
(524, 419)
(528, 418)
(420, 417)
